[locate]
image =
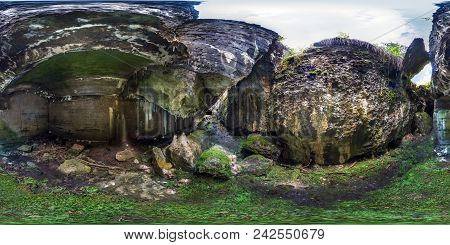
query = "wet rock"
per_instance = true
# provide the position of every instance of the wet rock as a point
(216, 162)
(254, 165)
(75, 166)
(440, 85)
(258, 144)
(137, 185)
(423, 123)
(25, 148)
(125, 155)
(76, 149)
(183, 152)
(160, 164)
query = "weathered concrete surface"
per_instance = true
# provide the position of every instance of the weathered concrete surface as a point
(23, 116)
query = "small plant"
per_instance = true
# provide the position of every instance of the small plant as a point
(343, 35)
(395, 49)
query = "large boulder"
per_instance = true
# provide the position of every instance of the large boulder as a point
(340, 99)
(183, 152)
(254, 165)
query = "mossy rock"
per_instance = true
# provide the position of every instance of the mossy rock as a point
(255, 165)
(215, 162)
(258, 144)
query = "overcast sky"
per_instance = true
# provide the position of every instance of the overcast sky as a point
(303, 22)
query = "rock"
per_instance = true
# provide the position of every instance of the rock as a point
(136, 161)
(216, 162)
(160, 164)
(75, 166)
(183, 182)
(416, 58)
(423, 123)
(137, 185)
(125, 155)
(440, 82)
(183, 152)
(31, 165)
(254, 165)
(25, 148)
(46, 156)
(76, 149)
(258, 144)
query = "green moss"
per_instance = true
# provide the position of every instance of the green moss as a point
(215, 162)
(61, 67)
(258, 144)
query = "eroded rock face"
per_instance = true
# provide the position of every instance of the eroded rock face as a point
(156, 62)
(339, 100)
(440, 55)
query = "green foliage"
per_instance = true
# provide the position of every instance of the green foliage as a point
(343, 35)
(395, 49)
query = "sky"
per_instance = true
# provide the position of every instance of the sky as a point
(303, 22)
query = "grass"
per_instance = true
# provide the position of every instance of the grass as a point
(419, 195)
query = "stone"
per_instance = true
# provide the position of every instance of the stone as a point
(137, 185)
(125, 155)
(183, 152)
(416, 58)
(216, 162)
(160, 164)
(31, 165)
(254, 165)
(76, 149)
(25, 148)
(423, 123)
(258, 144)
(75, 166)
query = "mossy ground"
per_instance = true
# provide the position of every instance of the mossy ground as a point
(418, 195)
